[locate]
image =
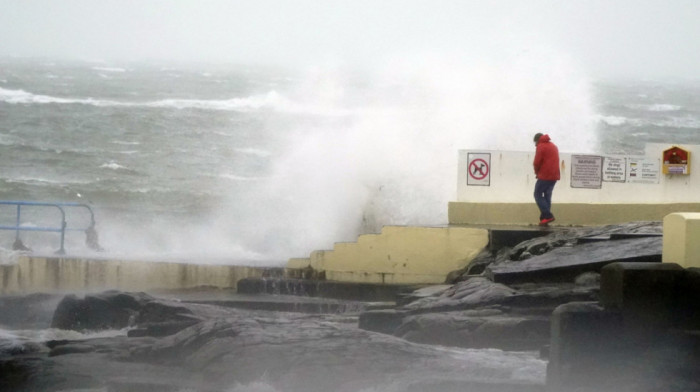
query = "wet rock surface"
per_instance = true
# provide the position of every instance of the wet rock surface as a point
(30, 311)
(505, 297)
(232, 349)
(417, 345)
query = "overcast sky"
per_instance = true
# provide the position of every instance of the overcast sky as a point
(641, 38)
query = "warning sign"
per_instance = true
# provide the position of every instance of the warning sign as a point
(479, 169)
(586, 171)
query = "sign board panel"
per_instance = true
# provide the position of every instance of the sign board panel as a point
(643, 170)
(586, 171)
(479, 169)
(614, 169)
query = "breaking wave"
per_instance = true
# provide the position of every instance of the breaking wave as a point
(657, 107)
(270, 100)
(684, 122)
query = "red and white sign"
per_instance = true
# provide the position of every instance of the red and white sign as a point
(479, 169)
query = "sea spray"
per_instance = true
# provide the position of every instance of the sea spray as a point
(392, 158)
(255, 166)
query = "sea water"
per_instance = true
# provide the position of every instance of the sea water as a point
(250, 164)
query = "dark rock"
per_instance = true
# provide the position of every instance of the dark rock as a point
(29, 374)
(10, 348)
(240, 350)
(476, 291)
(117, 310)
(107, 310)
(688, 307)
(645, 294)
(587, 347)
(424, 292)
(323, 288)
(569, 237)
(154, 312)
(33, 311)
(563, 264)
(161, 329)
(73, 348)
(476, 329)
(548, 296)
(507, 238)
(480, 313)
(588, 279)
(384, 321)
(475, 267)
(592, 349)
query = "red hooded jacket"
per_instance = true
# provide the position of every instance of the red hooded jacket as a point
(546, 161)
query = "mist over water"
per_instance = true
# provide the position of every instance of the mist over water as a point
(391, 155)
(251, 165)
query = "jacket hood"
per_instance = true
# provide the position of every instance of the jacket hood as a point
(544, 139)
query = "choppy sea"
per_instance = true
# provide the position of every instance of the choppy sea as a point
(251, 164)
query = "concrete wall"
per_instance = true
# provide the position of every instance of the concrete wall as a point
(48, 274)
(505, 196)
(399, 255)
(681, 244)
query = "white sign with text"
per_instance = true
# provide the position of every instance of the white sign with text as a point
(586, 171)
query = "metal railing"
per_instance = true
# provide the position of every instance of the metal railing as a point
(90, 232)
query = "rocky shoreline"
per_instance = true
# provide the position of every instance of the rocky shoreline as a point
(510, 299)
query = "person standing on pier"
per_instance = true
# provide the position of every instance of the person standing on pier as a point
(546, 166)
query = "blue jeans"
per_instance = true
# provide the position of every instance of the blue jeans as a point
(543, 197)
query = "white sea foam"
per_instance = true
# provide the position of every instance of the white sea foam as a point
(684, 122)
(235, 177)
(657, 107)
(112, 165)
(110, 69)
(613, 120)
(24, 97)
(270, 100)
(41, 181)
(253, 151)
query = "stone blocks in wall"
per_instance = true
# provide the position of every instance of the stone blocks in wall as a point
(681, 234)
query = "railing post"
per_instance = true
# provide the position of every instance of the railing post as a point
(62, 251)
(19, 207)
(91, 233)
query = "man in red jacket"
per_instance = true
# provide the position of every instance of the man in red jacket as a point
(546, 165)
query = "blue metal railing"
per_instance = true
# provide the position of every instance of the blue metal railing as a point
(91, 234)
